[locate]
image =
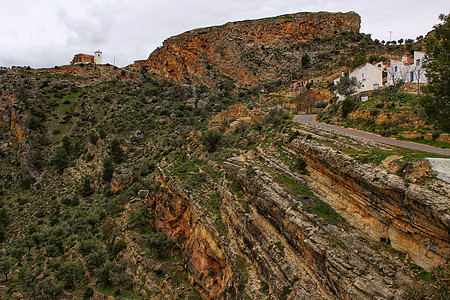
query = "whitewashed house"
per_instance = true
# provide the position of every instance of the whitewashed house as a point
(408, 69)
(369, 77)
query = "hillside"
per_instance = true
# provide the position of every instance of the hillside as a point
(251, 52)
(122, 183)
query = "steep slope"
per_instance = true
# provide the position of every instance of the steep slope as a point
(248, 52)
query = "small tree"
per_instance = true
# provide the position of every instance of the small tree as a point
(108, 170)
(347, 86)
(115, 150)
(306, 61)
(161, 244)
(61, 160)
(437, 100)
(348, 105)
(67, 144)
(6, 264)
(93, 137)
(210, 139)
(86, 189)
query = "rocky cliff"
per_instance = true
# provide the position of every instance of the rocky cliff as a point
(248, 52)
(409, 217)
(273, 244)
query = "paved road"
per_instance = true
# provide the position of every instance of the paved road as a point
(311, 119)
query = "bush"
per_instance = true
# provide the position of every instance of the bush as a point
(93, 137)
(108, 170)
(115, 150)
(210, 139)
(306, 61)
(300, 165)
(276, 116)
(348, 105)
(86, 189)
(161, 244)
(61, 160)
(322, 104)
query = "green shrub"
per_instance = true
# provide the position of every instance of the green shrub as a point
(348, 105)
(300, 165)
(86, 189)
(276, 116)
(210, 139)
(115, 150)
(161, 244)
(108, 170)
(61, 160)
(93, 137)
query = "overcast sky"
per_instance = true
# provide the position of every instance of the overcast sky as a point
(45, 33)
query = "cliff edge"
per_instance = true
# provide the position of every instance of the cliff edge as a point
(245, 53)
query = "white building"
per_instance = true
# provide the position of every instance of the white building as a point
(98, 57)
(369, 77)
(407, 70)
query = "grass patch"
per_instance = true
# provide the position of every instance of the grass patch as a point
(220, 226)
(325, 211)
(425, 142)
(293, 185)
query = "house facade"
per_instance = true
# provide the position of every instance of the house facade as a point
(407, 70)
(369, 77)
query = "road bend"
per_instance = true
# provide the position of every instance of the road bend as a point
(311, 119)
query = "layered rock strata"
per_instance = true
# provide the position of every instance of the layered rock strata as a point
(409, 217)
(272, 245)
(246, 53)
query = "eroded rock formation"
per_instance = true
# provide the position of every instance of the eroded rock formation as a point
(409, 217)
(273, 244)
(248, 52)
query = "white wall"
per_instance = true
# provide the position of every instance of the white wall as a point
(399, 70)
(98, 58)
(369, 77)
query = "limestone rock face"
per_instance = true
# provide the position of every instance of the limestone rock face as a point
(177, 216)
(411, 218)
(273, 245)
(121, 179)
(246, 53)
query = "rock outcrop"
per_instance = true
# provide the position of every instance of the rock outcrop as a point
(246, 53)
(272, 245)
(178, 216)
(121, 179)
(410, 218)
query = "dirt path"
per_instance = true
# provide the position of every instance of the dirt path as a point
(311, 119)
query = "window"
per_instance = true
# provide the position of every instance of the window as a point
(395, 69)
(411, 77)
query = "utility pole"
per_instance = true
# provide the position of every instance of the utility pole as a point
(390, 35)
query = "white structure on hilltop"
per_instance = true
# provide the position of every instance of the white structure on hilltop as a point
(98, 57)
(368, 76)
(407, 70)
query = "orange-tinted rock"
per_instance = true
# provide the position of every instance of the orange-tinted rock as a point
(177, 217)
(243, 52)
(121, 179)
(411, 218)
